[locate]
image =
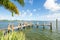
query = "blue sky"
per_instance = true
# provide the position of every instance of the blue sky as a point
(34, 10)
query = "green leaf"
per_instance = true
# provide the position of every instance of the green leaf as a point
(21, 2)
(12, 14)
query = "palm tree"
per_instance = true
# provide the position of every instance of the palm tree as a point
(10, 5)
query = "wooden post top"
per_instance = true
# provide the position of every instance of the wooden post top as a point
(9, 27)
(12, 27)
(19, 26)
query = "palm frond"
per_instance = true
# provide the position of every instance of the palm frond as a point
(21, 2)
(10, 6)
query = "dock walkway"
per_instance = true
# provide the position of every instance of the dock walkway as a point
(27, 25)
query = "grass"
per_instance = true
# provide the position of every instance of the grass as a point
(13, 36)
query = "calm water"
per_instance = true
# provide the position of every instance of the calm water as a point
(37, 33)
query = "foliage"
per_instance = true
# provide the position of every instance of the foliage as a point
(10, 6)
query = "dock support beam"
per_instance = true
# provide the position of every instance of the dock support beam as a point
(37, 26)
(9, 28)
(43, 27)
(12, 27)
(56, 23)
(51, 26)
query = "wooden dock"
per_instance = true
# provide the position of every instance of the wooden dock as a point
(22, 26)
(28, 25)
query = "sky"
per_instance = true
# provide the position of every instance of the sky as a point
(43, 10)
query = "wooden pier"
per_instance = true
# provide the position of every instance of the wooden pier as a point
(29, 25)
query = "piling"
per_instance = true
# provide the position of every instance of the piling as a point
(12, 27)
(24, 26)
(50, 25)
(37, 24)
(30, 24)
(56, 23)
(19, 26)
(43, 26)
(9, 28)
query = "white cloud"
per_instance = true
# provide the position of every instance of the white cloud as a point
(34, 10)
(27, 10)
(22, 10)
(23, 14)
(52, 5)
(26, 13)
(31, 2)
(30, 14)
(2, 18)
(50, 16)
(54, 8)
(7, 18)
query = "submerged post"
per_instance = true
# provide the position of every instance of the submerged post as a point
(50, 25)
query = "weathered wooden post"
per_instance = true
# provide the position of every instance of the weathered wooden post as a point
(5, 32)
(50, 25)
(37, 24)
(31, 25)
(9, 28)
(24, 26)
(19, 26)
(12, 27)
(56, 23)
(43, 26)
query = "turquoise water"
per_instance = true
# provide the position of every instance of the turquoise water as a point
(39, 33)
